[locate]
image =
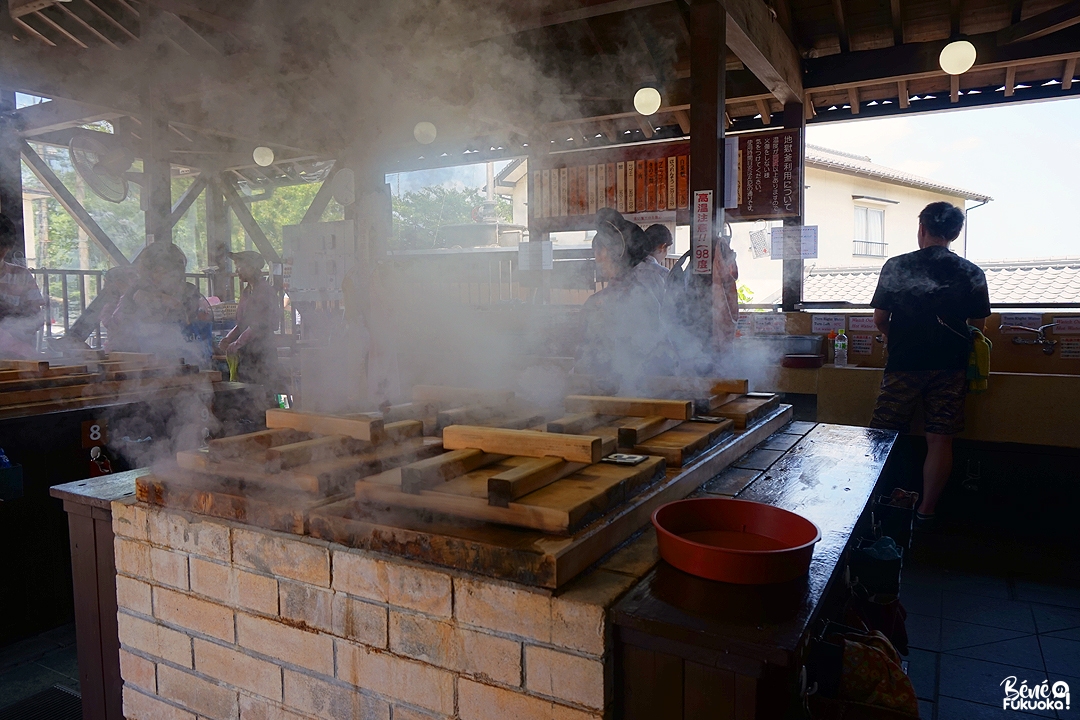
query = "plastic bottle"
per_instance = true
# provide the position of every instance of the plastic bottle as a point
(840, 345)
(830, 347)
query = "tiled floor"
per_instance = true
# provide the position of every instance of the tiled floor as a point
(38, 663)
(969, 632)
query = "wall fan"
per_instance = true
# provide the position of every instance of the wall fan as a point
(101, 165)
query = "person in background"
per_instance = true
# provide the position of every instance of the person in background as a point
(20, 300)
(250, 344)
(162, 313)
(924, 302)
(659, 238)
(623, 338)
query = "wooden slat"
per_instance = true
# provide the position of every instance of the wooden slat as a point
(25, 365)
(200, 462)
(445, 396)
(576, 424)
(527, 443)
(696, 387)
(239, 445)
(307, 451)
(527, 477)
(52, 372)
(361, 428)
(1067, 75)
(403, 430)
(744, 410)
(39, 383)
(637, 431)
(424, 474)
(630, 407)
(677, 445)
(97, 389)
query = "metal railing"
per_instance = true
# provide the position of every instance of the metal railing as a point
(865, 248)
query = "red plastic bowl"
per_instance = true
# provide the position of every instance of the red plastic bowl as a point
(735, 541)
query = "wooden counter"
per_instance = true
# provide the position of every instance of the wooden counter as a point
(693, 648)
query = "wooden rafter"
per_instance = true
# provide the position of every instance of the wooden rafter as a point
(764, 111)
(1010, 80)
(186, 200)
(764, 48)
(322, 198)
(853, 100)
(247, 220)
(1045, 23)
(897, 22)
(48, 117)
(683, 118)
(60, 29)
(1067, 76)
(33, 32)
(903, 95)
(646, 125)
(111, 20)
(955, 9)
(841, 26)
(954, 88)
(89, 28)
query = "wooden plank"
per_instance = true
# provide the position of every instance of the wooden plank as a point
(52, 372)
(424, 474)
(403, 430)
(630, 407)
(527, 443)
(695, 387)
(40, 383)
(527, 477)
(97, 389)
(143, 394)
(636, 431)
(25, 365)
(405, 411)
(361, 428)
(676, 446)
(148, 372)
(746, 409)
(445, 396)
(239, 445)
(248, 471)
(558, 508)
(576, 424)
(314, 450)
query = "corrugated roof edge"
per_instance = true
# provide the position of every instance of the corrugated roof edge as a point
(819, 157)
(991, 265)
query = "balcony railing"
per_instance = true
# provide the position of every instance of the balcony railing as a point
(865, 248)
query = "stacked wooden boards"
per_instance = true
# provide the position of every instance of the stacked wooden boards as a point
(29, 387)
(439, 406)
(554, 481)
(272, 478)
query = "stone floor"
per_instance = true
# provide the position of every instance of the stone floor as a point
(35, 664)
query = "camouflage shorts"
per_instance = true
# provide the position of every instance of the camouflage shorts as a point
(942, 393)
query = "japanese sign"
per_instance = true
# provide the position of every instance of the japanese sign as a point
(1070, 348)
(1066, 326)
(701, 230)
(770, 176)
(862, 344)
(1031, 320)
(794, 243)
(862, 323)
(769, 323)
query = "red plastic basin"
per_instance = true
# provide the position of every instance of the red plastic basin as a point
(735, 541)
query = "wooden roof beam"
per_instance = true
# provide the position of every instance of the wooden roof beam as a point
(955, 11)
(1010, 81)
(60, 29)
(853, 100)
(56, 115)
(764, 111)
(902, 95)
(914, 61)
(111, 20)
(1036, 26)
(841, 26)
(534, 21)
(954, 88)
(1067, 76)
(764, 48)
(897, 22)
(78, 20)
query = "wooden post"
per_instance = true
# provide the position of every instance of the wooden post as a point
(11, 202)
(791, 294)
(708, 30)
(218, 239)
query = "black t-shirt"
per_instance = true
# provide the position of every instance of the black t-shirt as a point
(921, 287)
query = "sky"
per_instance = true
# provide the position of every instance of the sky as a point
(1025, 156)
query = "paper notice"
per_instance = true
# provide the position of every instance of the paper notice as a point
(1070, 348)
(1031, 320)
(825, 324)
(861, 323)
(1066, 326)
(769, 324)
(861, 344)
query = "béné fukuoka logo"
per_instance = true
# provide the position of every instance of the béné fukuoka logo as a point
(1041, 696)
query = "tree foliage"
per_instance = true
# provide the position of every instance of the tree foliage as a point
(421, 215)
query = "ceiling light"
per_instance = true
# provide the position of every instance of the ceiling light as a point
(957, 57)
(647, 100)
(263, 156)
(424, 132)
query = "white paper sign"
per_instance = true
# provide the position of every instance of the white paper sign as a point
(745, 323)
(1066, 326)
(794, 243)
(644, 219)
(861, 344)
(862, 323)
(769, 324)
(825, 324)
(1070, 348)
(1031, 320)
(702, 232)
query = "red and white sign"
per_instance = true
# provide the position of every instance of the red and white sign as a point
(862, 323)
(1067, 326)
(702, 230)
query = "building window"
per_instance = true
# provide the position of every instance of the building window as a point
(870, 233)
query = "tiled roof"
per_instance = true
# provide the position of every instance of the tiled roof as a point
(860, 165)
(1052, 280)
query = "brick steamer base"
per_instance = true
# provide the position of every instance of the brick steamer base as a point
(221, 620)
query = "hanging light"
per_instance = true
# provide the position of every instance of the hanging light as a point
(424, 132)
(957, 57)
(647, 100)
(263, 156)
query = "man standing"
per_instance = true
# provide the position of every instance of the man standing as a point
(923, 304)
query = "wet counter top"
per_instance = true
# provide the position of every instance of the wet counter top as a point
(829, 477)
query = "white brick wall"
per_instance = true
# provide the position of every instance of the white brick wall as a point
(224, 621)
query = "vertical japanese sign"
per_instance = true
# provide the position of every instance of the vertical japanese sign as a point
(702, 231)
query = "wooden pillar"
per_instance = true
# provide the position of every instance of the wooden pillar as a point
(791, 293)
(708, 29)
(11, 200)
(218, 238)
